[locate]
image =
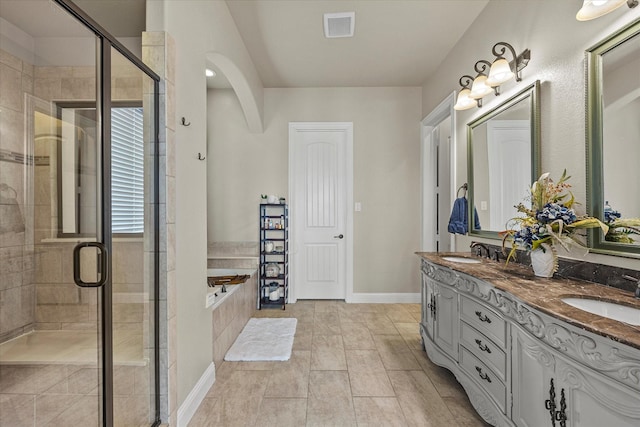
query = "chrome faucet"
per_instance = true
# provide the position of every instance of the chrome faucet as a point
(634, 279)
(479, 247)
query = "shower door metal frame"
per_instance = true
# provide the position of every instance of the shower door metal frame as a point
(106, 43)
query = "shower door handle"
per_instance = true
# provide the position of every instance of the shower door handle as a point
(102, 264)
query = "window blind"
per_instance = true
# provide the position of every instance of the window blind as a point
(127, 170)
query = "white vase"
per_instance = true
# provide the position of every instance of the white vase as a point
(544, 262)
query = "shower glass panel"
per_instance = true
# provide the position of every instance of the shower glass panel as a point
(78, 221)
(132, 212)
(50, 176)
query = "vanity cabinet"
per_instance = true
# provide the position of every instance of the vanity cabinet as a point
(482, 348)
(522, 367)
(441, 318)
(553, 390)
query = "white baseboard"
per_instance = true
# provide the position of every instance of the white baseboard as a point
(190, 405)
(413, 298)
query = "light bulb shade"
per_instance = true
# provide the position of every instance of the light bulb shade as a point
(592, 9)
(499, 73)
(464, 102)
(480, 88)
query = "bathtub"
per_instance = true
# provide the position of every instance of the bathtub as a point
(215, 296)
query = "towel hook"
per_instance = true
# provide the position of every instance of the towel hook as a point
(184, 122)
(200, 157)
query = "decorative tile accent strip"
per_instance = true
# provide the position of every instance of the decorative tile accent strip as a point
(21, 158)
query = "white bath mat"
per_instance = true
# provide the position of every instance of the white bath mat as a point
(263, 339)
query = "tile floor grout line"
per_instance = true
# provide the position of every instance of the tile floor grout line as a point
(403, 343)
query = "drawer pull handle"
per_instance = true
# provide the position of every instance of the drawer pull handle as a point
(483, 347)
(483, 317)
(483, 375)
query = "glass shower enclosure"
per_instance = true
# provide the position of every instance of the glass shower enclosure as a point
(78, 223)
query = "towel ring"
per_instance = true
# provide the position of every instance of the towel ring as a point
(462, 187)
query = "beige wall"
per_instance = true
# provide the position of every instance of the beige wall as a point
(241, 166)
(557, 42)
(198, 28)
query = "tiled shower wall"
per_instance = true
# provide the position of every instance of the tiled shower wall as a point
(63, 305)
(36, 287)
(159, 53)
(17, 290)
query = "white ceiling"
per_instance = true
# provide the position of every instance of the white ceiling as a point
(396, 42)
(122, 18)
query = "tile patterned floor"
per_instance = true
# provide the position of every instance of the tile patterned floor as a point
(352, 365)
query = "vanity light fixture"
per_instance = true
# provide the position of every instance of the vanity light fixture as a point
(464, 101)
(592, 9)
(500, 71)
(480, 88)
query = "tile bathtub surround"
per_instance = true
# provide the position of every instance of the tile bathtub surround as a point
(342, 372)
(597, 273)
(233, 249)
(232, 255)
(231, 316)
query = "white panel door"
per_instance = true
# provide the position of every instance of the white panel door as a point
(318, 209)
(509, 150)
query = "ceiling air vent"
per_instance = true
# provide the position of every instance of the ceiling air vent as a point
(339, 24)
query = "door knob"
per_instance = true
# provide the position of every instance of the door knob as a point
(339, 236)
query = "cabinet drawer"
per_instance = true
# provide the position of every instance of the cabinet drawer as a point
(484, 349)
(484, 320)
(484, 376)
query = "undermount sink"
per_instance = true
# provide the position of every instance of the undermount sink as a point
(461, 259)
(606, 309)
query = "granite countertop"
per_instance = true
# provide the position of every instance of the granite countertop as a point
(545, 294)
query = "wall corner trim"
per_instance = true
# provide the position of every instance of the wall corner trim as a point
(190, 405)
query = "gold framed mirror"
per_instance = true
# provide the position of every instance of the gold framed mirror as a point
(503, 159)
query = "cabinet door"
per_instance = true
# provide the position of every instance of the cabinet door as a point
(427, 303)
(445, 327)
(532, 369)
(594, 400)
